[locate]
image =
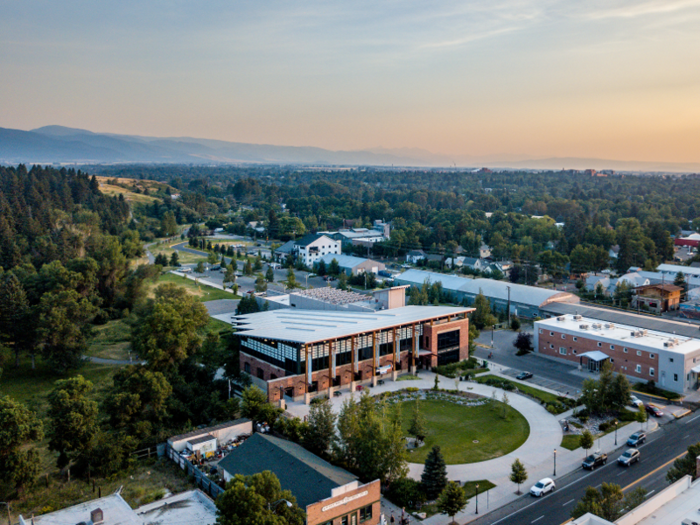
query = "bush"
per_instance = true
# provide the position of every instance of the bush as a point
(605, 426)
(406, 492)
(454, 369)
(552, 409)
(627, 415)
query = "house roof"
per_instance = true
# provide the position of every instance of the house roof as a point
(308, 239)
(416, 252)
(344, 261)
(664, 287)
(287, 247)
(675, 268)
(308, 477)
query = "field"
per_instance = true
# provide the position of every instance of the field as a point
(129, 194)
(455, 428)
(183, 257)
(110, 340)
(202, 292)
(526, 389)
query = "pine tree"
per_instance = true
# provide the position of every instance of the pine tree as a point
(518, 474)
(269, 275)
(175, 260)
(434, 477)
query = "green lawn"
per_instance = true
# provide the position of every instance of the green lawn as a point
(408, 377)
(202, 292)
(469, 489)
(571, 441)
(527, 389)
(454, 428)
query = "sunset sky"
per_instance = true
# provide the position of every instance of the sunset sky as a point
(608, 79)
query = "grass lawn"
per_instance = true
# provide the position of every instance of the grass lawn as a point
(571, 441)
(111, 340)
(202, 292)
(454, 428)
(407, 377)
(183, 257)
(469, 489)
(527, 389)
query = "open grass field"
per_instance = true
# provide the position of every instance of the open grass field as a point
(455, 428)
(200, 291)
(129, 195)
(111, 340)
(183, 257)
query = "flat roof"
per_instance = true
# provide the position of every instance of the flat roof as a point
(208, 430)
(192, 507)
(675, 268)
(203, 439)
(332, 295)
(115, 510)
(684, 506)
(660, 324)
(621, 334)
(308, 326)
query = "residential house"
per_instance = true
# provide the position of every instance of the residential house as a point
(351, 265)
(484, 251)
(311, 247)
(658, 298)
(414, 256)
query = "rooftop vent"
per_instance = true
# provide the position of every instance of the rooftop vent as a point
(578, 317)
(583, 326)
(597, 326)
(97, 516)
(561, 318)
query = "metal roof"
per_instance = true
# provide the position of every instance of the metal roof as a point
(519, 293)
(596, 355)
(308, 326)
(344, 261)
(675, 268)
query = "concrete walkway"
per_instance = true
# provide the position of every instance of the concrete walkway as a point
(537, 453)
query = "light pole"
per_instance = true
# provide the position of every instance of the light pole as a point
(273, 506)
(615, 432)
(477, 498)
(555, 462)
(491, 336)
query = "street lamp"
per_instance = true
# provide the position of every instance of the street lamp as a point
(273, 506)
(616, 432)
(555, 461)
(477, 498)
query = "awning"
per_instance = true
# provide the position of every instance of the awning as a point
(595, 356)
(695, 370)
(422, 353)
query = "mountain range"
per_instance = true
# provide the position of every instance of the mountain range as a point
(63, 145)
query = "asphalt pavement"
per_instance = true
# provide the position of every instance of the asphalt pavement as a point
(669, 442)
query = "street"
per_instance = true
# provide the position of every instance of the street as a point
(657, 455)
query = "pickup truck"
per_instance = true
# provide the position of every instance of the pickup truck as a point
(594, 461)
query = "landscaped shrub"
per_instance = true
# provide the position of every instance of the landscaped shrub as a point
(455, 369)
(650, 388)
(552, 409)
(604, 426)
(627, 415)
(406, 492)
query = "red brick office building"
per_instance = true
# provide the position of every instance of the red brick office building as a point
(298, 353)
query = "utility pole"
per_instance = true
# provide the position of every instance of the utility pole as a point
(508, 306)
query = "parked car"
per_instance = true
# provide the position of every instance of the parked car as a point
(523, 375)
(337, 393)
(594, 461)
(635, 401)
(653, 410)
(542, 487)
(636, 439)
(631, 455)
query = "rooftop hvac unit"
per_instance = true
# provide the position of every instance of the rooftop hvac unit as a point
(561, 318)
(578, 317)
(583, 327)
(645, 331)
(608, 325)
(597, 326)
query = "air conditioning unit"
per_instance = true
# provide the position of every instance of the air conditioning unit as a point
(670, 344)
(633, 334)
(597, 326)
(645, 332)
(583, 327)
(561, 318)
(578, 317)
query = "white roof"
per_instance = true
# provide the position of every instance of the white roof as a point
(519, 293)
(344, 261)
(621, 334)
(115, 510)
(596, 355)
(192, 507)
(308, 326)
(675, 268)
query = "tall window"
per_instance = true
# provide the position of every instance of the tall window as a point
(366, 513)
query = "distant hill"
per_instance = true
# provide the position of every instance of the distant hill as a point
(59, 144)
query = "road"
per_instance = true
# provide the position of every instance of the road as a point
(657, 455)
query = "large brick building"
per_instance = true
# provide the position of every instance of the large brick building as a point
(672, 361)
(297, 353)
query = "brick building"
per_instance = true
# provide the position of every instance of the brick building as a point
(672, 361)
(297, 353)
(328, 494)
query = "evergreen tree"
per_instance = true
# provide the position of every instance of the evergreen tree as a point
(518, 474)
(260, 284)
(321, 268)
(291, 279)
(685, 466)
(434, 477)
(248, 268)
(482, 317)
(334, 267)
(270, 275)
(18, 428)
(14, 314)
(175, 260)
(342, 281)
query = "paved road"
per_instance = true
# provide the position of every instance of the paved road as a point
(664, 445)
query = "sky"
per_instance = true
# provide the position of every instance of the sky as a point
(511, 78)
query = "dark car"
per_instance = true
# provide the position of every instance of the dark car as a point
(630, 456)
(594, 461)
(523, 375)
(636, 439)
(653, 410)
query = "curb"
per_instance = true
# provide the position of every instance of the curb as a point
(656, 397)
(683, 414)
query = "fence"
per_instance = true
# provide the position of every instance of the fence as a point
(150, 452)
(200, 479)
